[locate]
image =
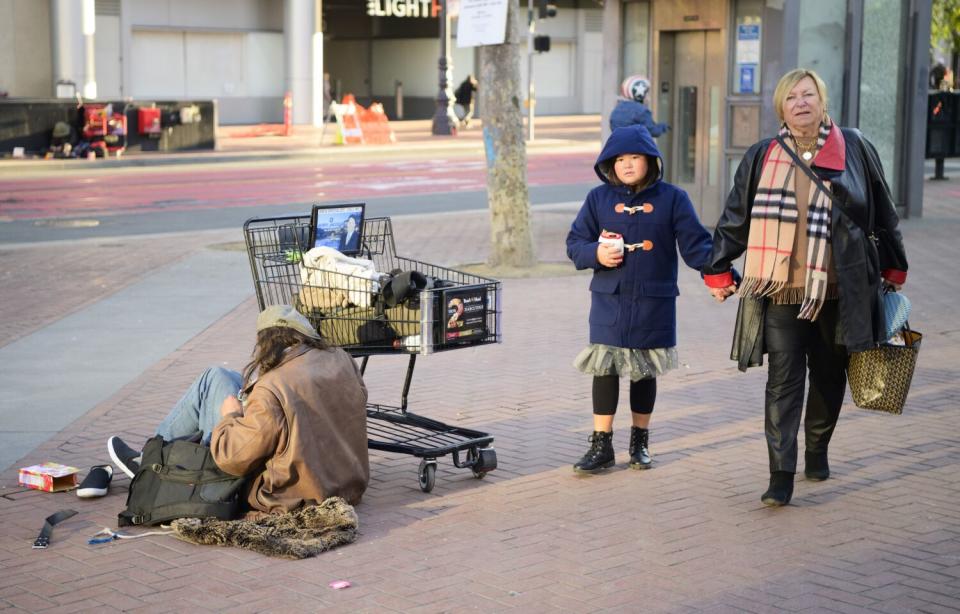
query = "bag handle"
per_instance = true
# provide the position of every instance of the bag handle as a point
(819, 183)
(192, 476)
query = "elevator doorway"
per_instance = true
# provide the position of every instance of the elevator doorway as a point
(690, 99)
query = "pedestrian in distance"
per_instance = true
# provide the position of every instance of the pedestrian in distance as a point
(294, 421)
(628, 232)
(937, 75)
(327, 94)
(463, 98)
(811, 291)
(631, 110)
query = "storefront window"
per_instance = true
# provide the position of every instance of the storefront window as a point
(821, 46)
(881, 77)
(747, 32)
(636, 39)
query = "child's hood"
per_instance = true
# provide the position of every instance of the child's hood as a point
(633, 139)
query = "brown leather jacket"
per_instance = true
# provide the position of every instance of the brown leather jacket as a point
(302, 436)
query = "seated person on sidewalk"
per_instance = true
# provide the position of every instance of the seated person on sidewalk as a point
(298, 430)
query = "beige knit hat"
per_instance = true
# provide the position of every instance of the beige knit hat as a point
(286, 316)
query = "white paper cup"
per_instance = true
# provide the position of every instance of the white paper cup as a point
(613, 239)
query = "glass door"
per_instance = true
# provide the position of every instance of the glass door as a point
(690, 99)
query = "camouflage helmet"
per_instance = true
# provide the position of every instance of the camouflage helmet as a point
(61, 130)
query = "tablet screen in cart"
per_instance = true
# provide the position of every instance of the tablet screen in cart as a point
(465, 315)
(337, 226)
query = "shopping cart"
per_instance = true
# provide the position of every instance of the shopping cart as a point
(420, 309)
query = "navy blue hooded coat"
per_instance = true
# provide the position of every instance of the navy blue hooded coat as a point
(634, 304)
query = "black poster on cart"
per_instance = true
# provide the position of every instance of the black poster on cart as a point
(465, 314)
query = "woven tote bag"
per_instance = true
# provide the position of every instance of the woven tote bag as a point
(880, 378)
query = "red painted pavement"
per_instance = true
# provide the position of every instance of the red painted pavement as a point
(128, 190)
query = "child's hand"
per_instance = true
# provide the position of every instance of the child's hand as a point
(609, 256)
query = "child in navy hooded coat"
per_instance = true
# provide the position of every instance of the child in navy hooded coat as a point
(633, 331)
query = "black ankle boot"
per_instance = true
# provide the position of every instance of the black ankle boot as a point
(780, 490)
(816, 468)
(639, 450)
(599, 456)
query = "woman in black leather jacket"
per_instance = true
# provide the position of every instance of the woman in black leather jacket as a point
(813, 276)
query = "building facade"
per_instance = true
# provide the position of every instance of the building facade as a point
(247, 54)
(713, 66)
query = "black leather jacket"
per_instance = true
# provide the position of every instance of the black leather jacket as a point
(863, 194)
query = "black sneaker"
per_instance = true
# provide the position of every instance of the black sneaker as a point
(123, 456)
(97, 482)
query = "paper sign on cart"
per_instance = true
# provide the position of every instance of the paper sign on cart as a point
(465, 312)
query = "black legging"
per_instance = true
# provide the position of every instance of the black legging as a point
(606, 395)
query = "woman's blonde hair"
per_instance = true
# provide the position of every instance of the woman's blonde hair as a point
(790, 80)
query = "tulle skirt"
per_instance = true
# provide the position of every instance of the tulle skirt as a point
(637, 364)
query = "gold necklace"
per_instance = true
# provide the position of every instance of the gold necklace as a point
(806, 145)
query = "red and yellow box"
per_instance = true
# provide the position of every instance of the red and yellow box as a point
(49, 477)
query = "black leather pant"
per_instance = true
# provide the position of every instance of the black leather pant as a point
(793, 346)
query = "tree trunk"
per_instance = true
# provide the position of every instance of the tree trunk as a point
(511, 237)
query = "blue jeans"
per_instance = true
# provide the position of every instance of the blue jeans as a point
(198, 412)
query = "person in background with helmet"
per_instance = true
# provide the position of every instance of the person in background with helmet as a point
(62, 141)
(631, 110)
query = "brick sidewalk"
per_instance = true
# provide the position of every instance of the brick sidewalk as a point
(42, 283)
(882, 535)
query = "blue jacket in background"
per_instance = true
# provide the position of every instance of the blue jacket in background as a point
(631, 112)
(634, 304)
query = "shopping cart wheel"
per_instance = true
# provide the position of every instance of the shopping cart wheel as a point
(484, 461)
(428, 474)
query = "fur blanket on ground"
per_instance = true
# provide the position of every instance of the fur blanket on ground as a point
(299, 534)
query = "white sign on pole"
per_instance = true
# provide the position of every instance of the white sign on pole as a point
(482, 22)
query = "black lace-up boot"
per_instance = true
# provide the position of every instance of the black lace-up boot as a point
(780, 490)
(599, 456)
(639, 448)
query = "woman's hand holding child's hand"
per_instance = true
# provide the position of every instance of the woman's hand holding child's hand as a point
(721, 294)
(609, 256)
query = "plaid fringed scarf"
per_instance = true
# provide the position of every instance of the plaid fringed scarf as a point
(773, 226)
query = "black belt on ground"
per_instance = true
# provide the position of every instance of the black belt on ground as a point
(43, 540)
